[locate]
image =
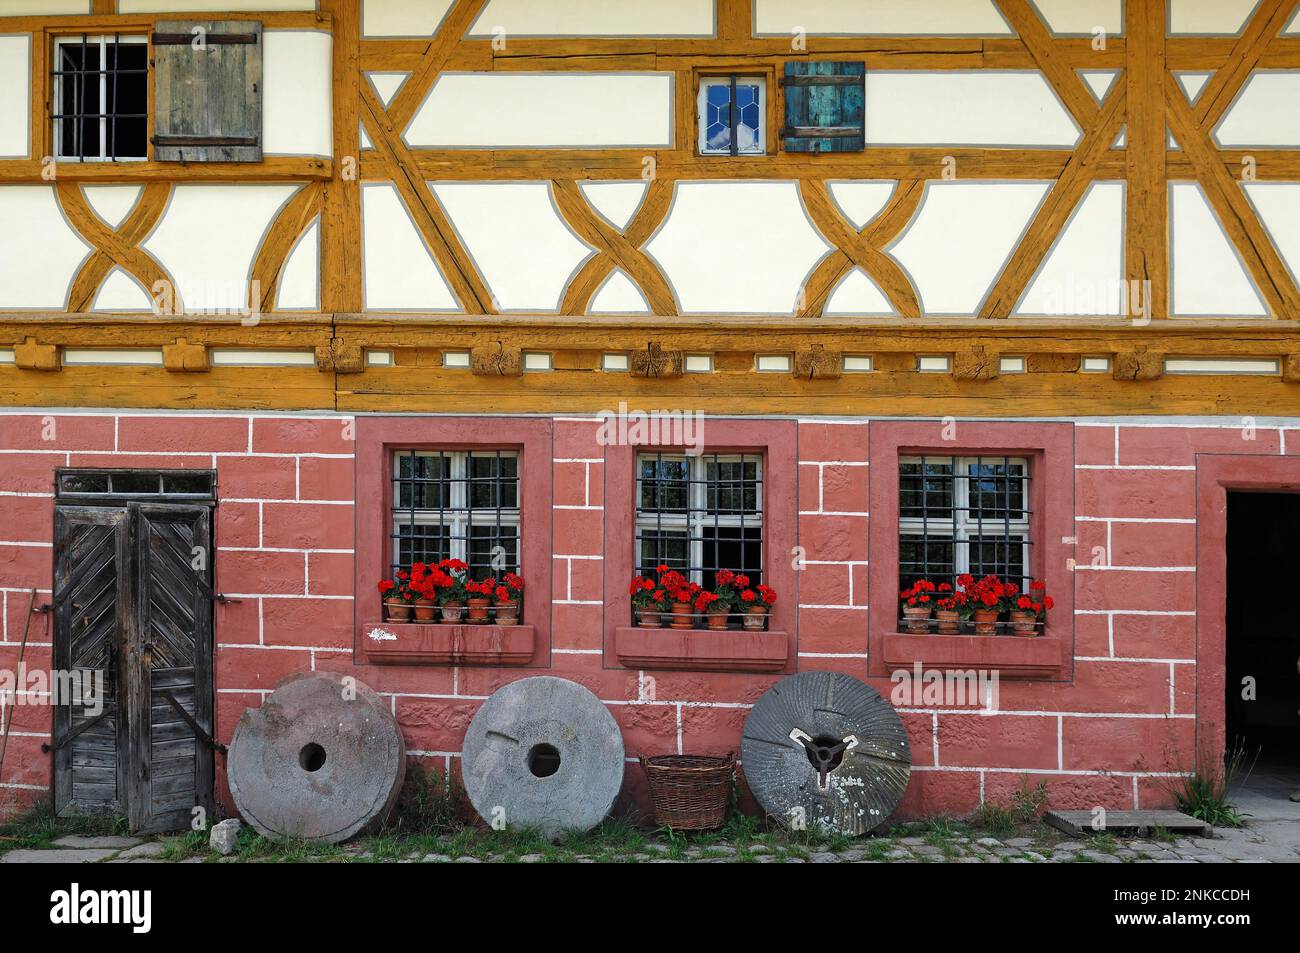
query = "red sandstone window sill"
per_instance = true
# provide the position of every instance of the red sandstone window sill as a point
(733, 650)
(409, 643)
(1013, 657)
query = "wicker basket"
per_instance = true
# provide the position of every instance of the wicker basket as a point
(690, 792)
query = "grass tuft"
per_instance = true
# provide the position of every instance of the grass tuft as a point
(38, 827)
(1203, 792)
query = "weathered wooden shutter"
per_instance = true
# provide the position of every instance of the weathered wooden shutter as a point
(824, 106)
(208, 91)
(91, 612)
(171, 715)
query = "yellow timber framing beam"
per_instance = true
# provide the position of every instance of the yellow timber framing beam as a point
(1146, 101)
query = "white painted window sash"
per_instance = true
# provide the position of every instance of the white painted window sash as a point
(102, 43)
(455, 520)
(962, 528)
(693, 523)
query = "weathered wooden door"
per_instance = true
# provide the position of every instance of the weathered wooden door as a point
(133, 599)
(91, 602)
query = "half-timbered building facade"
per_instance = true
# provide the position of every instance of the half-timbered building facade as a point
(838, 294)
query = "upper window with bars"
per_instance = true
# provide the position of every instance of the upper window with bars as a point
(700, 514)
(132, 484)
(963, 515)
(456, 505)
(101, 98)
(731, 115)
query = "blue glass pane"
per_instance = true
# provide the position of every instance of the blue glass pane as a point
(719, 95)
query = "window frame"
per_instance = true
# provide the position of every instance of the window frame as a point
(962, 527)
(377, 437)
(697, 519)
(707, 80)
(1049, 449)
(776, 442)
(102, 40)
(462, 518)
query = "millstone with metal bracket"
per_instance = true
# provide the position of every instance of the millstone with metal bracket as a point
(823, 749)
(322, 759)
(543, 753)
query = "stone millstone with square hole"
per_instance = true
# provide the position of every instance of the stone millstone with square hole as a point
(322, 759)
(543, 753)
(825, 750)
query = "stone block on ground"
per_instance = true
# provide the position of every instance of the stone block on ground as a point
(225, 836)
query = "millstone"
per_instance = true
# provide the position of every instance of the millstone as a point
(824, 749)
(543, 753)
(322, 759)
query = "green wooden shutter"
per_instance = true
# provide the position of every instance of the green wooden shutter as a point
(208, 91)
(824, 106)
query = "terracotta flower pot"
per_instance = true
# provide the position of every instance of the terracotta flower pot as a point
(756, 618)
(683, 617)
(507, 613)
(649, 618)
(425, 610)
(1024, 623)
(918, 619)
(717, 619)
(452, 613)
(478, 610)
(986, 621)
(398, 611)
(948, 620)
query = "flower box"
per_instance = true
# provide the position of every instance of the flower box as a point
(407, 643)
(729, 650)
(1013, 657)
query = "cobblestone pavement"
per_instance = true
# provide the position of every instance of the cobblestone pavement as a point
(1266, 842)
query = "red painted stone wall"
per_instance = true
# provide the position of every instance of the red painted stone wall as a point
(1103, 734)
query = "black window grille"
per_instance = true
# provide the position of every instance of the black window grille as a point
(699, 514)
(456, 505)
(963, 514)
(101, 97)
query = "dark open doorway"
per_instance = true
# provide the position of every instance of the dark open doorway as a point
(1263, 634)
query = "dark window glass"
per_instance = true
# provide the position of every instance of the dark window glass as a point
(456, 505)
(83, 483)
(101, 98)
(963, 514)
(700, 514)
(126, 97)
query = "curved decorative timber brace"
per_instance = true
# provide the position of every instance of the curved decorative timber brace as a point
(615, 249)
(861, 248)
(118, 247)
(289, 225)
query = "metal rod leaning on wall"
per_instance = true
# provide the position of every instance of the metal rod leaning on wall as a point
(22, 651)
